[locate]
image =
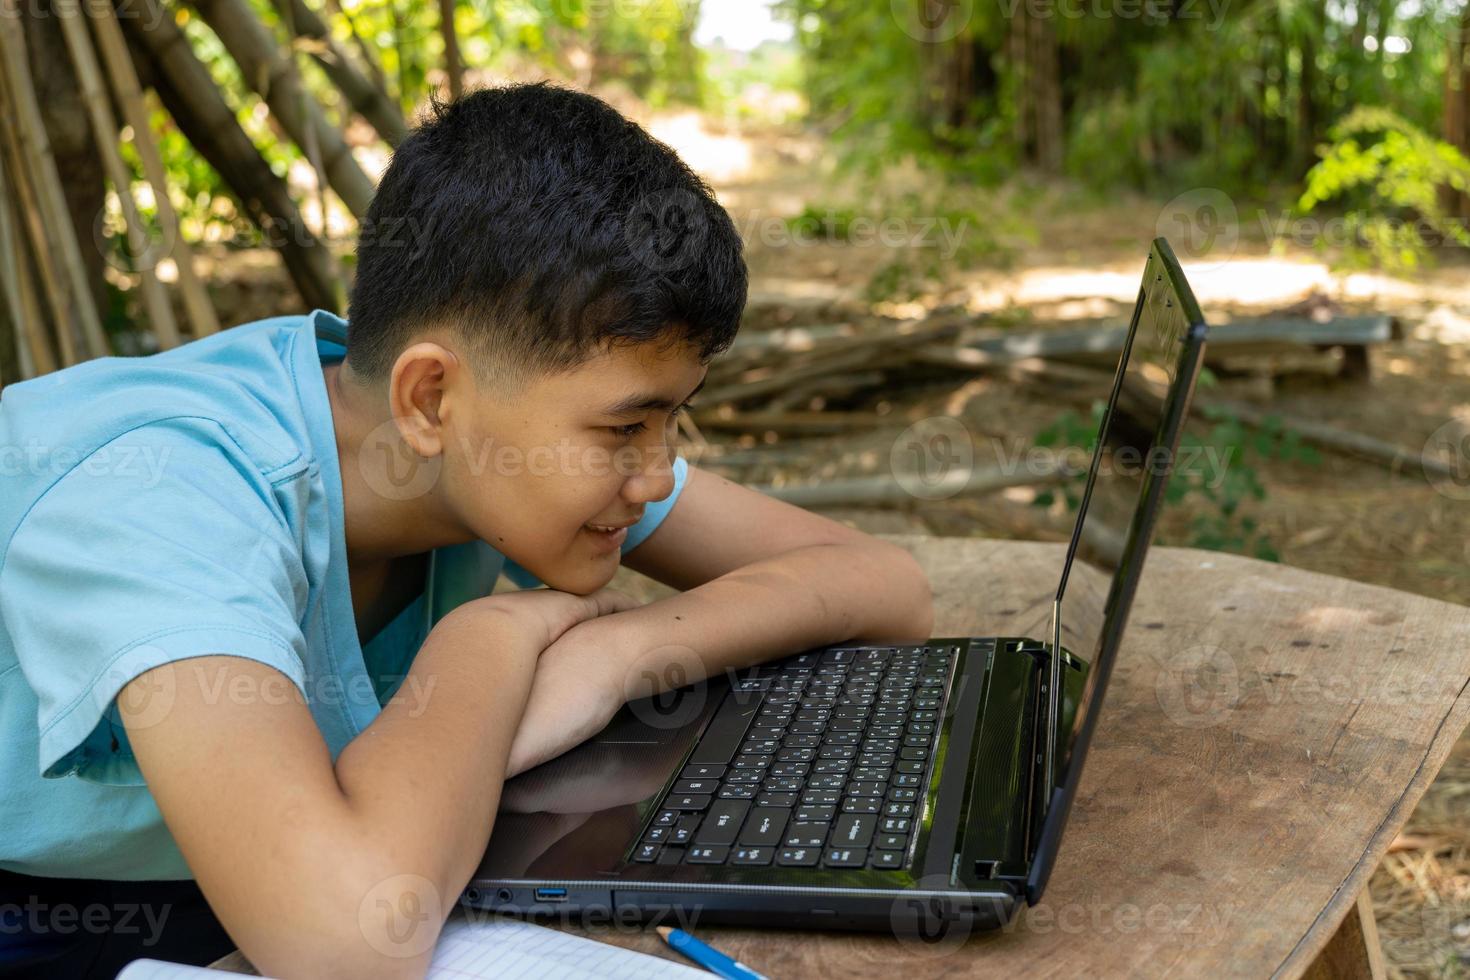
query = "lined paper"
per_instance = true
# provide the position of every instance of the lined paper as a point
(502, 948)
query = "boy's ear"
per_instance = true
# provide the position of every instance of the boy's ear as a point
(416, 388)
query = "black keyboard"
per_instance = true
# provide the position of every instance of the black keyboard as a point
(829, 771)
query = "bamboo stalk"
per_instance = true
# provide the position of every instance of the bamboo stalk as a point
(9, 286)
(368, 99)
(33, 225)
(380, 80)
(36, 147)
(273, 77)
(188, 91)
(129, 93)
(32, 349)
(104, 126)
(43, 355)
(312, 145)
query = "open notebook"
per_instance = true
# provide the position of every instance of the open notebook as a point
(507, 949)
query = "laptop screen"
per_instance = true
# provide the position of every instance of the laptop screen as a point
(1128, 412)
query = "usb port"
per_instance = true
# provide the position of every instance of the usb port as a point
(551, 894)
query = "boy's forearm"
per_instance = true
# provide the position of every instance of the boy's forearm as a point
(807, 597)
(427, 772)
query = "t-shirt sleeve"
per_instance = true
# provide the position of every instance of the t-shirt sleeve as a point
(653, 515)
(166, 543)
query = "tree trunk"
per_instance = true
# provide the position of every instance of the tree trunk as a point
(165, 61)
(273, 77)
(1456, 204)
(453, 70)
(362, 93)
(1032, 48)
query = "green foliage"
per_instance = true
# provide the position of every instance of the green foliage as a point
(1216, 480)
(1389, 183)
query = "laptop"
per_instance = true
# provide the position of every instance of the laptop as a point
(886, 787)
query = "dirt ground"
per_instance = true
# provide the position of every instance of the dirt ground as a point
(1343, 516)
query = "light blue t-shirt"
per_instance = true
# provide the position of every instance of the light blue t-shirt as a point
(173, 506)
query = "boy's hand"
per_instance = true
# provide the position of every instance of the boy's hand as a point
(549, 613)
(577, 689)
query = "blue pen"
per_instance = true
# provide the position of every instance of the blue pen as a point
(711, 959)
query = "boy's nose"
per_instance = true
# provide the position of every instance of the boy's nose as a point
(655, 477)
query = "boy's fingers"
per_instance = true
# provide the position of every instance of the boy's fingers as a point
(607, 601)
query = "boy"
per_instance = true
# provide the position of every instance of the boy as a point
(248, 637)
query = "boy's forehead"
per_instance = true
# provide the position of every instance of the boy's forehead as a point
(630, 372)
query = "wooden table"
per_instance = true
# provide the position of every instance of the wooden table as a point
(1266, 734)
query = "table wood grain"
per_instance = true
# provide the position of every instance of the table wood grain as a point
(1266, 734)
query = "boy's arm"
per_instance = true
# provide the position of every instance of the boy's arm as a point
(718, 527)
(347, 870)
(763, 579)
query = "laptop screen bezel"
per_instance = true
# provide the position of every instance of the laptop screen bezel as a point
(1168, 274)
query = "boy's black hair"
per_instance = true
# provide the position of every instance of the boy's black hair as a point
(542, 225)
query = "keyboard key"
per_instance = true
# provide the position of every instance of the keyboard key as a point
(751, 761)
(859, 788)
(783, 784)
(891, 841)
(894, 825)
(898, 809)
(702, 772)
(806, 834)
(671, 854)
(724, 733)
(853, 830)
(817, 814)
(764, 826)
(845, 857)
(801, 741)
(722, 822)
(913, 752)
(666, 818)
(684, 786)
(827, 767)
(767, 746)
(887, 859)
(903, 795)
(859, 804)
(796, 755)
(776, 799)
(917, 740)
(692, 801)
(737, 791)
(820, 797)
(656, 835)
(745, 776)
(907, 765)
(797, 857)
(908, 779)
(838, 752)
(753, 855)
(647, 852)
(713, 854)
(683, 833)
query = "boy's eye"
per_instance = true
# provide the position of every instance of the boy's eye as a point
(629, 431)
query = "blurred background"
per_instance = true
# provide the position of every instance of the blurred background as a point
(946, 208)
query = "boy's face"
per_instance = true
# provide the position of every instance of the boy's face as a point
(528, 475)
